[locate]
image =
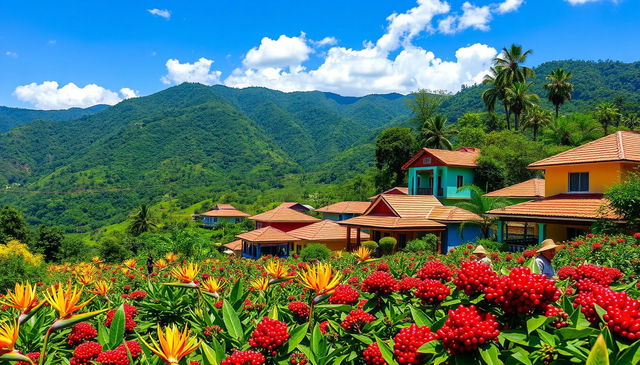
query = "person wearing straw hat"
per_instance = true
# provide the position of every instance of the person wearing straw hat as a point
(481, 254)
(546, 252)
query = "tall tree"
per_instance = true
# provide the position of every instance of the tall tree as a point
(436, 132)
(520, 99)
(536, 119)
(423, 105)
(394, 147)
(12, 225)
(496, 92)
(559, 87)
(49, 241)
(607, 114)
(141, 221)
(560, 132)
(509, 63)
(480, 205)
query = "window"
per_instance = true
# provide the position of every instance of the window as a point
(460, 181)
(426, 161)
(578, 181)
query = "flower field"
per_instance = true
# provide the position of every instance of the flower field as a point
(403, 308)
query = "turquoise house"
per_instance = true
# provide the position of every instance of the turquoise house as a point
(222, 213)
(442, 172)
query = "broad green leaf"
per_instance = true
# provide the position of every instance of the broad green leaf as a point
(490, 355)
(273, 313)
(573, 333)
(428, 348)
(515, 337)
(297, 335)
(362, 338)
(631, 355)
(208, 354)
(531, 264)
(231, 321)
(600, 311)
(599, 354)
(386, 352)
(419, 317)
(339, 360)
(14, 356)
(547, 337)
(521, 355)
(534, 323)
(116, 330)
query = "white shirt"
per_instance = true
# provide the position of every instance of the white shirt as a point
(545, 267)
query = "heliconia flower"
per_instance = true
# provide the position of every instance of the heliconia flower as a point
(186, 273)
(338, 254)
(276, 269)
(96, 260)
(160, 264)
(211, 285)
(23, 298)
(8, 336)
(171, 257)
(64, 299)
(363, 254)
(101, 288)
(86, 276)
(130, 263)
(260, 284)
(125, 270)
(320, 278)
(173, 344)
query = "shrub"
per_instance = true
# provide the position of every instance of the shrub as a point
(387, 244)
(432, 242)
(112, 251)
(493, 246)
(416, 246)
(17, 264)
(371, 245)
(315, 251)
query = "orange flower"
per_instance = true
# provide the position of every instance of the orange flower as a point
(260, 284)
(8, 336)
(173, 344)
(186, 273)
(171, 257)
(130, 263)
(319, 278)
(276, 269)
(160, 264)
(64, 299)
(22, 298)
(362, 253)
(211, 285)
(96, 260)
(101, 288)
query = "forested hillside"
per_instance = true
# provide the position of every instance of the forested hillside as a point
(12, 117)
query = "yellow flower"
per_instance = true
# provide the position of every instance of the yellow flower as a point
(211, 285)
(101, 288)
(338, 253)
(171, 257)
(15, 248)
(260, 284)
(319, 278)
(86, 276)
(64, 299)
(125, 270)
(96, 260)
(131, 263)
(8, 336)
(23, 298)
(186, 273)
(173, 344)
(160, 264)
(276, 269)
(362, 253)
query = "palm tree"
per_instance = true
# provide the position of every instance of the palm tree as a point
(510, 63)
(536, 118)
(607, 114)
(436, 131)
(561, 132)
(480, 205)
(142, 221)
(496, 92)
(559, 87)
(520, 99)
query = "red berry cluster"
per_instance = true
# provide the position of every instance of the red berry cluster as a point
(85, 353)
(383, 267)
(344, 294)
(269, 335)
(323, 327)
(298, 358)
(598, 274)
(211, 330)
(81, 332)
(118, 356)
(244, 358)
(623, 312)
(356, 319)
(34, 356)
(129, 314)
(522, 292)
(473, 277)
(560, 317)
(408, 341)
(379, 283)
(136, 295)
(407, 284)
(372, 355)
(300, 310)
(435, 270)
(432, 291)
(466, 329)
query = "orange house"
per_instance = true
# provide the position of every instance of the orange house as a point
(575, 183)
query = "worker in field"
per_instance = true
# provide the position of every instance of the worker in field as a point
(149, 264)
(546, 252)
(481, 254)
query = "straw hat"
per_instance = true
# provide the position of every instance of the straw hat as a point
(481, 250)
(548, 244)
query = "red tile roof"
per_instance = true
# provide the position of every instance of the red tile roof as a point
(224, 206)
(348, 207)
(325, 230)
(561, 206)
(267, 234)
(401, 190)
(225, 213)
(619, 146)
(393, 222)
(283, 215)
(423, 206)
(234, 246)
(463, 157)
(532, 188)
(293, 205)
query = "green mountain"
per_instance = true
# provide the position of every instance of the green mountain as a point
(12, 117)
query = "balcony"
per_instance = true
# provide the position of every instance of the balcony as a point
(425, 191)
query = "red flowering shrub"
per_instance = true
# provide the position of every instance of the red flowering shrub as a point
(473, 277)
(623, 312)
(466, 329)
(298, 358)
(244, 358)
(372, 355)
(379, 283)
(356, 319)
(269, 335)
(522, 292)
(560, 317)
(129, 314)
(408, 341)
(598, 274)
(323, 327)
(34, 356)
(344, 294)
(299, 309)
(432, 291)
(81, 332)
(407, 284)
(434, 270)
(118, 356)
(85, 353)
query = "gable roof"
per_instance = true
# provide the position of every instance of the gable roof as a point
(224, 206)
(294, 206)
(233, 213)
(401, 190)
(325, 230)
(462, 157)
(348, 207)
(532, 188)
(266, 234)
(234, 246)
(423, 206)
(283, 215)
(619, 146)
(375, 221)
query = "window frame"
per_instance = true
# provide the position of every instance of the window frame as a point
(580, 175)
(459, 181)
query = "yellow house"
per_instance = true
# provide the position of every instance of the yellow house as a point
(575, 183)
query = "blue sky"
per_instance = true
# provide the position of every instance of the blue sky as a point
(127, 48)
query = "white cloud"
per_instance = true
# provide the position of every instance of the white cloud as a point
(163, 13)
(199, 71)
(403, 28)
(52, 42)
(580, 2)
(476, 17)
(508, 6)
(48, 95)
(326, 41)
(11, 54)
(282, 52)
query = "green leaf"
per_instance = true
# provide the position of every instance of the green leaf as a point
(208, 354)
(362, 338)
(68, 322)
(535, 322)
(515, 337)
(546, 337)
(531, 264)
(15, 356)
(297, 335)
(631, 355)
(521, 355)
(386, 352)
(419, 317)
(573, 333)
(598, 354)
(231, 321)
(273, 313)
(428, 348)
(600, 311)
(116, 330)
(490, 355)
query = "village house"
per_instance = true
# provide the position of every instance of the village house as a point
(222, 213)
(343, 210)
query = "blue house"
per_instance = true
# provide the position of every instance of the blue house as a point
(343, 210)
(266, 241)
(222, 212)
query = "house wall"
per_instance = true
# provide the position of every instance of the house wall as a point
(449, 177)
(558, 232)
(451, 239)
(212, 221)
(601, 176)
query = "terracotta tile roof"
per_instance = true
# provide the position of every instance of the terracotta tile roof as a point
(401, 190)
(463, 157)
(234, 246)
(348, 207)
(325, 230)
(424, 206)
(267, 234)
(283, 215)
(225, 213)
(293, 205)
(532, 188)
(619, 146)
(563, 206)
(224, 206)
(450, 214)
(393, 222)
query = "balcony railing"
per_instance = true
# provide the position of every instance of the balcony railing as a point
(425, 191)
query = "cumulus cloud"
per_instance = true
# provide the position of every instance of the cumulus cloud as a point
(11, 54)
(326, 41)
(199, 71)
(476, 17)
(275, 53)
(406, 26)
(49, 95)
(508, 6)
(163, 13)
